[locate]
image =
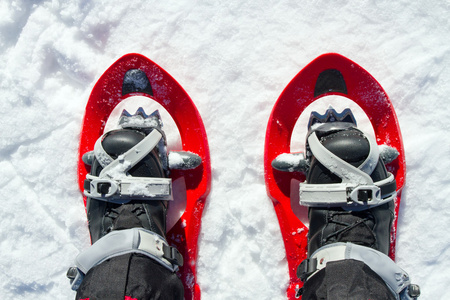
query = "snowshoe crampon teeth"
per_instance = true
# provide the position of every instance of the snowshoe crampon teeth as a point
(140, 119)
(330, 116)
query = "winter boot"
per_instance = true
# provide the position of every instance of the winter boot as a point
(350, 196)
(127, 191)
(125, 211)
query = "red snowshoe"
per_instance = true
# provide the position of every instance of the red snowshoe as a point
(329, 74)
(135, 75)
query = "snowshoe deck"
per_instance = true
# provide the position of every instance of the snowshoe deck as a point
(136, 75)
(329, 74)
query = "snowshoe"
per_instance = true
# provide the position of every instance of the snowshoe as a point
(295, 178)
(130, 179)
(350, 196)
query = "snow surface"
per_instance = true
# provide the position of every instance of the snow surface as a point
(233, 58)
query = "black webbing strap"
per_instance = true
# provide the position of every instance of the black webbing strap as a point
(173, 255)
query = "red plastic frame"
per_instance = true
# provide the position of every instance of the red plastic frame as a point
(364, 90)
(106, 94)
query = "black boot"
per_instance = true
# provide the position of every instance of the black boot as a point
(104, 216)
(351, 209)
(128, 191)
(370, 227)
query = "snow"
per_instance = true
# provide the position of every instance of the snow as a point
(175, 160)
(233, 58)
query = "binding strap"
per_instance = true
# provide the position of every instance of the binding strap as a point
(395, 277)
(119, 242)
(114, 184)
(357, 191)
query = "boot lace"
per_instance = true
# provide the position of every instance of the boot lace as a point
(355, 227)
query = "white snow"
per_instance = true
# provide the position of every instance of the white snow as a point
(233, 58)
(175, 160)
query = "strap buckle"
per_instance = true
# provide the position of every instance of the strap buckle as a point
(76, 277)
(363, 194)
(100, 187)
(124, 189)
(306, 268)
(173, 255)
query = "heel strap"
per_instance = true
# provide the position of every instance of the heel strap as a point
(120, 242)
(395, 278)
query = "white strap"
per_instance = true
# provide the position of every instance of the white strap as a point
(395, 277)
(347, 172)
(345, 195)
(126, 188)
(114, 185)
(369, 165)
(129, 159)
(357, 190)
(100, 154)
(120, 242)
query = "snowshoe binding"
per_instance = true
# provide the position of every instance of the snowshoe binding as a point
(350, 196)
(128, 190)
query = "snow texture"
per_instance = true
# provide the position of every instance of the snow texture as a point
(233, 58)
